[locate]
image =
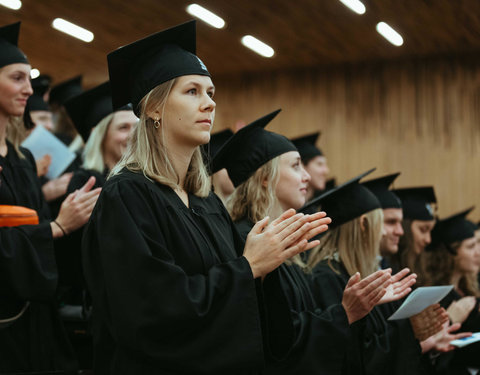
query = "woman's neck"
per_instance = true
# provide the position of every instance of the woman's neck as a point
(455, 279)
(310, 193)
(181, 158)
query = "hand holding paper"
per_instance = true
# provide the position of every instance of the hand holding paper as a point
(419, 300)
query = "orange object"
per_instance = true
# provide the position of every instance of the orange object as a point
(13, 216)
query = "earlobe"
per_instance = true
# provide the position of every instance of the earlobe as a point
(265, 183)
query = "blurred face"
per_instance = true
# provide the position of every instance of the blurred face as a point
(421, 234)
(318, 170)
(291, 189)
(118, 134)
(15, 88)
(189, 111)
(467, 259)
(393, 230)
(43, 118)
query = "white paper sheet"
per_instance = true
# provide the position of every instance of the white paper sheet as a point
(419, 300)
(41, 142)
(460, 343)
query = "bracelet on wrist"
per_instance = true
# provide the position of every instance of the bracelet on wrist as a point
(61, 228)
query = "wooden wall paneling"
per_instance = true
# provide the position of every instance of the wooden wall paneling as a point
(419, 117)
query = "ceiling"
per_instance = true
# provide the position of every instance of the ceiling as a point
(304, 33)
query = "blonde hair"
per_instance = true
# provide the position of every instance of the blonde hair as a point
(147, 151)
(252, 199)
(93, 151)
(16, 133)
(357, 249)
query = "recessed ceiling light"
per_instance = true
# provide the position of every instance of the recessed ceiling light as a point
(72, 30)
(34, 73)
(355, 5)
(12, 4)
(389, 33)
(206, 16)
(257, 46)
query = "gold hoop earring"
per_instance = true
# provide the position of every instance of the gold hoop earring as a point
(156, 123)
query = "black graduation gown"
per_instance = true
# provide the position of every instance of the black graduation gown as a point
(36, 341)
(171, 292)
(376, 346)
(320, 336)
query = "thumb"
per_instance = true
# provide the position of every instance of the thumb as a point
(260, 225)
(353, 280)
(88, 185)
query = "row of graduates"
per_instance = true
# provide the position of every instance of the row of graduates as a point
(177, 286)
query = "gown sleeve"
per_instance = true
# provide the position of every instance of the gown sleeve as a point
(27, 262)
(153, 310)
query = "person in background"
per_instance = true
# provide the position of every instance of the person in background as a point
(106, 134)
(32, 337)
(392, 215)
(453, 257)
(59, 94)
(418, 222)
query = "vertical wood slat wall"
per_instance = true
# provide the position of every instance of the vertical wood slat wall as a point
(418, 117)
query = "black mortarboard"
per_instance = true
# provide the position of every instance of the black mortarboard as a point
(36, 103)
(41, 84)
(380, 186)
(87, 109)
(65, 90)
(416, 202)
(306, 146)
(217, 140)
(10, 53)
(452, 229)
(346, 201)
(249, 149)
(137, 68)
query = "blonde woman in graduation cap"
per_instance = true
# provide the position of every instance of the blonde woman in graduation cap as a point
(175, 289)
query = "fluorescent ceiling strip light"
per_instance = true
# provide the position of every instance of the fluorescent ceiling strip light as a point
(355, 5)
(34, 73)
(72, 30)
(206, 16)
(12, 4)
(389, 33)
(257, 46)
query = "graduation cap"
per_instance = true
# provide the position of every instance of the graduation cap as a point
(36, 103)
(452, 229)
(346, 201)
(306, 146)
(416, 202)
(10, 53)
(379, 187)
(249, 149)
(89, 108)
(137, 68)
(217, 140)
(65, 90)
(41, 84)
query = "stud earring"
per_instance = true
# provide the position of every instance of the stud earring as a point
(156, 123)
